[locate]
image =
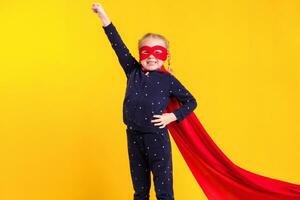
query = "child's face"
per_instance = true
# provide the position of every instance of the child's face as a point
(151, 62)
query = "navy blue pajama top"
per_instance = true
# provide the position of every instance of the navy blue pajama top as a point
(147, 95)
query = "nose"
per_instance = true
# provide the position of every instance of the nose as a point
(151, 56)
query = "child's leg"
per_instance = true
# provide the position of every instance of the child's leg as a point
(158, 146)
(139, 167)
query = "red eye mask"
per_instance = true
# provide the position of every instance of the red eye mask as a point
(157, 51)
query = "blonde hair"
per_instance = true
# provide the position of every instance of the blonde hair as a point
(157, 36)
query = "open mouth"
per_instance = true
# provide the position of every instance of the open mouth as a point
(151, 62)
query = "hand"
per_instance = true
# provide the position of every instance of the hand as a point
(97, 8)
(164, 119)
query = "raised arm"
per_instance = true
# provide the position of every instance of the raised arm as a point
(188, 101)
(127, 61)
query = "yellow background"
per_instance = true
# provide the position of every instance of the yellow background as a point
(61, 91)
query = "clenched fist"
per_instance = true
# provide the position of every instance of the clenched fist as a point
(98, 9)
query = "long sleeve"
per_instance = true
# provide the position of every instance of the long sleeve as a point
(127, 61)
(188, 101)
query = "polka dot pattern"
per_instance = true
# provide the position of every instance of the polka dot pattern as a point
(149, 93)
(150, 152)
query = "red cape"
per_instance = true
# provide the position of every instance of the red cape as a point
(219, 177)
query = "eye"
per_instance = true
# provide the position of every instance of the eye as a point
(158, 51)
(145, 52)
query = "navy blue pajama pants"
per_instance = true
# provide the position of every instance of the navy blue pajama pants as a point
(150, 152)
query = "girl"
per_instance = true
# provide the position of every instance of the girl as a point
(149, 89)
